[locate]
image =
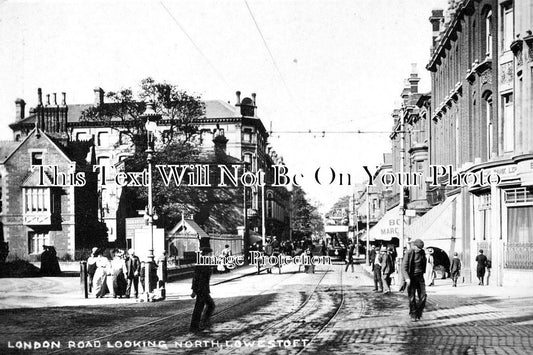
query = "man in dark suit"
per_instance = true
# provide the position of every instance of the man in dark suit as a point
(481, 264)
(414, 267)
(200, 290)
(372, 256)
(133, 269)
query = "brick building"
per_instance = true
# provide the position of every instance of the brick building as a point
(48, 190)
(247, 141)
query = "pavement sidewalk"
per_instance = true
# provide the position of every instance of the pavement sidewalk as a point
(66, 291)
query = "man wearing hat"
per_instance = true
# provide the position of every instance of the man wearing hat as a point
(200, 290)
(376, 268)
(414, 267)
(133, 269)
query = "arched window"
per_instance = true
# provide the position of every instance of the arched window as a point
(488, 34)
(487, 126)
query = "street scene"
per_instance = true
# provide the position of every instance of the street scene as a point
(201, 177)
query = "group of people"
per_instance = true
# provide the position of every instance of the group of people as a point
(115, 276)
(382, 261)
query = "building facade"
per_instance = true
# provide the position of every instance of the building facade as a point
(247, 140)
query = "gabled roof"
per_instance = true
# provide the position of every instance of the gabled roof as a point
(189, 226)
(59, 148)
(6, 148)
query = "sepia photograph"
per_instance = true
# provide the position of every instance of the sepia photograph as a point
(266, 177)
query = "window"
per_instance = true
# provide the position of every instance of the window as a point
(270, 202)
(487, 134)
(508, 122)
(82, 136)
(103, 139)
(37, 158)
(520, 224)
(247, 135)
(36, 200)
(507, 26)
(248, 159)
(518, 196)
(36, 242)
(488, 34)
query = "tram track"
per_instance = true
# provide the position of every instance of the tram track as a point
(187, 312)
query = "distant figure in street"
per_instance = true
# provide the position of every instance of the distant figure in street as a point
(200, 290)
(376, 269)
(349, 257)
(481, 265)
(372, 256)
(323, 248)
(100, 276)
(225, 253)
(455, 269)
(133, 269)
(388, 267)
(400, 273)
(91, 268)
(430, 269)
(117, 269)
(49, 262)
(489, 266)
(414, 267)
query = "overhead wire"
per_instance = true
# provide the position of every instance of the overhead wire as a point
(221, 77)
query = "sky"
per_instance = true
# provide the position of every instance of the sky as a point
(333, 66)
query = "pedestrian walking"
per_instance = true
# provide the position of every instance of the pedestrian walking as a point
(91, 267)
(376, 269)
(100, 276)
(388, 268)
(481, 265)
(200, 290)
(430, 268)
(489, 266)
(349, 256)
(372, 256)
(133, 269)
(414, 267)
(455, 268)
(117, 269)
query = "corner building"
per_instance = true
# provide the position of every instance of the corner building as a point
(481, 70)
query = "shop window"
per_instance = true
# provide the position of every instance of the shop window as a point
(520, 224)
(36, 242)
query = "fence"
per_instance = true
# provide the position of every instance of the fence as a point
(181, 245)
(518, 255)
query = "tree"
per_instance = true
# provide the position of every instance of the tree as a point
(306, 218)
(178, 109)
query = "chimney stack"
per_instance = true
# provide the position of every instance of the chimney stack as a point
(238, 93)
(64, 100)
(436, 19)
(98, 96)
(20, 104)
(39, 97)
(414, 79)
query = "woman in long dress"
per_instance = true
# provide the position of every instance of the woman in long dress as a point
(117, 282)
(100, 276)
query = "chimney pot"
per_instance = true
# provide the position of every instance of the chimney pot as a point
(253, 97)
(47, 99)
(39, 96)
(55, 99)
(20, 104)
(238, 93)
(64, 100)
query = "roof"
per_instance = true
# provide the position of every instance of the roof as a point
(388, 226)
(220, 109)
(190, 227)
(6, 148)
(73, 114)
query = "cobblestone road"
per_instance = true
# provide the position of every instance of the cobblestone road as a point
(326, 312)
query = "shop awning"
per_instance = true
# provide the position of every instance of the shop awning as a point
(437, 227)
(388, 226)
(335, 229)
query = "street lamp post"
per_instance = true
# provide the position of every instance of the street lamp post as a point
(151, 125)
